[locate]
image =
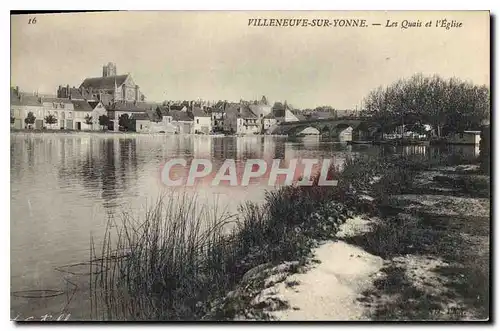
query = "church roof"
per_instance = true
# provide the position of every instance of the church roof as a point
(104, 83)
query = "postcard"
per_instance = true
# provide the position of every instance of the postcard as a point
(250, 166)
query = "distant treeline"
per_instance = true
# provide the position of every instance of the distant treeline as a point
(449, 105)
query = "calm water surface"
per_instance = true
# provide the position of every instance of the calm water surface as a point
(64, 188)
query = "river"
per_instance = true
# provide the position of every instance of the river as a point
(64, 188)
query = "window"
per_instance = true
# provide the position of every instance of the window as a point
(197, 121)
(141, 126)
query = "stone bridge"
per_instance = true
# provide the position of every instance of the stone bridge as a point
(330, 126)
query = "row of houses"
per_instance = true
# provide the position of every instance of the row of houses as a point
(76, 113)
(53, 112)
(40, 112)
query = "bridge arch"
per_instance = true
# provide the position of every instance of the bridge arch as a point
(323, 126)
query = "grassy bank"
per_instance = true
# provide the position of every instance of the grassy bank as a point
(433, 232)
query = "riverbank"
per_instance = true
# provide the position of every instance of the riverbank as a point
(307, 239)
(422, 254)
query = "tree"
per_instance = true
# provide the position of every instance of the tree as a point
(30, 119)
(104, 121)
(50, 119)
(159, 114)
(124, 122)
(448, 105)
(88, 119)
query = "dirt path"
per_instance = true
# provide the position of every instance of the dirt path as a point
(330, 289)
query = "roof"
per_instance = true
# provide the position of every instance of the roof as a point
(106, 99)
(30, 100)
(14, 98)
(299, 116)
(93, 104)
(75, 93)
(219, 105)
(177, 107)
(56, 100)
(198, 112)
(104, 83)
(242, 111)
(81, 105)
(178, 115)
(139, 116)
(163, 110)
(270, 116)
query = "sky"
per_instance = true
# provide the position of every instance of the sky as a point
(217, 56)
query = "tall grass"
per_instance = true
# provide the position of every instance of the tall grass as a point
(162, 266)
(182, 256)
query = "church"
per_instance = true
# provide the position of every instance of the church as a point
(108, 89)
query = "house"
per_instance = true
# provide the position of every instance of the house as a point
(118, 109)
(98, 110)
(202, 122)
(217, 115)
(268, 121)
(239, 119)
(141, 122)
(182, 122)
(82, 118)
(465, 138)
(57, 107)
(260, 110)
(283, 113)
(21, 104)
